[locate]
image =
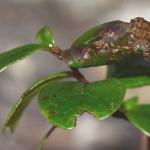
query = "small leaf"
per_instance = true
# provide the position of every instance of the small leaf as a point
(17, 54)
(45, 36)
(26, 98)
(134, 82)
(131, 103)
(62, 102)
(139, 116)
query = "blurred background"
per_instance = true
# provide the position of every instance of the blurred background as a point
(19, 22)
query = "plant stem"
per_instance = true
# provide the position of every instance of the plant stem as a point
(58, 53)
(45, 138)
(148, 143)
(79, 76)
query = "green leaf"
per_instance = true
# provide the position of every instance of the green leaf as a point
(87, 37)
(17, 54)
(45, 36)
(96, 33)
(139, 116)
(130, 103)
(62, 102)
(26, 98)
(135, 82)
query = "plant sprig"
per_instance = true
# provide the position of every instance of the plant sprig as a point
(61, 102)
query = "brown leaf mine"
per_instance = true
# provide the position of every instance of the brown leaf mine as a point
(111, 43)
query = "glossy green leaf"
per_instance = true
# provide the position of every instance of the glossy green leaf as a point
(45, 36)
(135, 82)
(17, 54)
(139, 116)
(62, 102)
(26, 98)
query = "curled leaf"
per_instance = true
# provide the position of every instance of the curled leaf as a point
(26, 98)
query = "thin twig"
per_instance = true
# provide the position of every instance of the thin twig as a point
(45, 138)
(79, 76)
(148, 143)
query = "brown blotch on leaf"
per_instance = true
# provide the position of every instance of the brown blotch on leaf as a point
(45, 97)
(51, 115)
